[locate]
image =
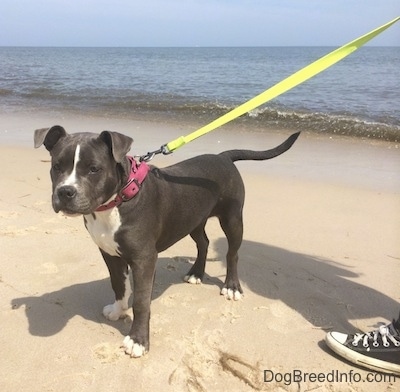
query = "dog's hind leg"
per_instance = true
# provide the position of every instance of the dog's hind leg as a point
(232, 225)
(196, 273)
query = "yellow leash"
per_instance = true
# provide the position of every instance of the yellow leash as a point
(292, 81)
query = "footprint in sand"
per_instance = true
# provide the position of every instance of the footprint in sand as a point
(106, 353)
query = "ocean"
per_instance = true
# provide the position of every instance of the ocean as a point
(359, 96)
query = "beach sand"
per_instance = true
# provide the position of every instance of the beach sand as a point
(321, 252)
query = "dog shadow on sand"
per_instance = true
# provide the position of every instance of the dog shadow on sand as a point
(326, 293)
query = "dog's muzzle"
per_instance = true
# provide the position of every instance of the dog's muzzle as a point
(65, 199)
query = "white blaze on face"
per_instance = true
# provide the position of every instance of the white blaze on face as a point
(71, 179)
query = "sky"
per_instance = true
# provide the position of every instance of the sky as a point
(166, 23)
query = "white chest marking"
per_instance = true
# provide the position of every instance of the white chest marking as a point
(102, 229)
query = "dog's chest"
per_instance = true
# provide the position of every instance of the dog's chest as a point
(102, 227)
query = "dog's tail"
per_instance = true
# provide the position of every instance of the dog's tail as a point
(242, 155)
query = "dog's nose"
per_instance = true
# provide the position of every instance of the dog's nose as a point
(66, 192)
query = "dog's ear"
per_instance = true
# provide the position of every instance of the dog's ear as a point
(118, 143)
(49, 136)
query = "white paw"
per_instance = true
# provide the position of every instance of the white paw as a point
(133, 349)
(231, 294)
(192, 279)
(114, 312)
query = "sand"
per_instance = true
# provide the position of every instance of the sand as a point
(321, 252)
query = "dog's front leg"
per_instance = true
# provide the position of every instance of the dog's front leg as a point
(120, 283)
(137, 343)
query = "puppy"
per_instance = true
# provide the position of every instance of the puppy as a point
(134, 211)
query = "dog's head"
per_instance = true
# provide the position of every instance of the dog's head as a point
(87, 169)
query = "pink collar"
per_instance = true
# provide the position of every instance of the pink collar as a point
(136, 177)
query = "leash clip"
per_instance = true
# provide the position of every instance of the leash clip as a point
(150, 155)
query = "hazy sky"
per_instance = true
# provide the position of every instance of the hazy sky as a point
(194, 22)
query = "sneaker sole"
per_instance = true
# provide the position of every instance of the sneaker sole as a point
(361, 360)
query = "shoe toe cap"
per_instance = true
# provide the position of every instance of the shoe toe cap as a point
(338, 337)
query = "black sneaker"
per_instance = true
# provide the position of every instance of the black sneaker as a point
(378, 350)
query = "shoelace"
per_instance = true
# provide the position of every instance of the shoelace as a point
(385, 331)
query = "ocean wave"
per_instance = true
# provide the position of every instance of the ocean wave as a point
(135, 104)
(324, 123)
(4, 92)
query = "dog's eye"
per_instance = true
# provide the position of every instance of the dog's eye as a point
(94, 169)
(56, 167)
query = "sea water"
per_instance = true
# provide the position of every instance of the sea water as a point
(359, 96)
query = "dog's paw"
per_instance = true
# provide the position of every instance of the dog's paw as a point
(135, 350)
(236, 295)
(192, 279)
(114, 311)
